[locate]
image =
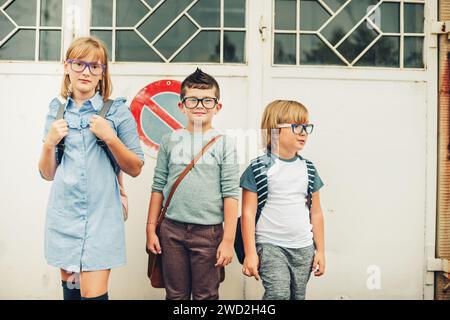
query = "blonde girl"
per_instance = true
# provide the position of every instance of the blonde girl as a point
(84, 230)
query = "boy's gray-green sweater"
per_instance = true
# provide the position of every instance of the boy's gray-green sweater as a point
(199, 197)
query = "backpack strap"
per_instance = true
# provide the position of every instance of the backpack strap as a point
(59, 150)
(311, 179)
(259, 168)
(105, 109)
(103, 112)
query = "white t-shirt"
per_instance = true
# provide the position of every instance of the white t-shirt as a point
(285, 219)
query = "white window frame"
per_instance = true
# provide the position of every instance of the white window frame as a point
(366, 18)
(222, 29)
(38, 28)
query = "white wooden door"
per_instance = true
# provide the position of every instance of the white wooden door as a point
(374, 138)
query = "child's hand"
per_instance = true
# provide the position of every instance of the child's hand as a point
(224, 254)
(58, 130)
(251, 265)
(100, 127)
(153, 243)
(319, 264)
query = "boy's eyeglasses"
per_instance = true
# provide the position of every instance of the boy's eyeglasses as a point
(192, 103)
(78, 66)
(298, 128)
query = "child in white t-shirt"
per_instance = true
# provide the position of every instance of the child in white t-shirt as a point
(282, 220)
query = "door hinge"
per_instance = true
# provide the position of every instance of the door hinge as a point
(440, 27)
(436, 265)
(440, 265)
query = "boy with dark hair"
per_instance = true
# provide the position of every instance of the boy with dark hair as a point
(194, 243)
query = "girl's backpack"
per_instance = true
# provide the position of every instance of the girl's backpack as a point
(60, 152)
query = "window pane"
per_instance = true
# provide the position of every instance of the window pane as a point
(346, 20)
(177, 35)
(102, 13)
(335, 4)
(315, 52)
(129, 13)
(384, 53)
(209, 41)
(357, 42)
(389, 17)
(6, 26)
(234, 15)
(23, 12)
(234, 43)
(50, 45)
(312, 15)
(152, 3)
(414, 18)
(413, 52)
(20, 47)
(162, 17)
(106, 37)
(284, 47)
(130, 47)
(206, 13)
(51, 11)
(285, 14)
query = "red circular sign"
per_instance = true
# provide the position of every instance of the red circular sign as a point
(155, 109)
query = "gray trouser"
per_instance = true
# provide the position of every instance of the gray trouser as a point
(284, 271)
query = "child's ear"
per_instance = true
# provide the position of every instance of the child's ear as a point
(218, 107)
(180, 106)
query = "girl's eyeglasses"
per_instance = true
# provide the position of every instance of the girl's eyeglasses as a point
(192, 103)
(78, 66)
(298, 128)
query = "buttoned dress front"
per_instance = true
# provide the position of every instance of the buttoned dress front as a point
(84, 229)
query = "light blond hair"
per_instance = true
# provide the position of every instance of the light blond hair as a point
(278, 112)
(81, 48)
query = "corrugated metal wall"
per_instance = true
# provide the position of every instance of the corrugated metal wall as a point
(443, 218)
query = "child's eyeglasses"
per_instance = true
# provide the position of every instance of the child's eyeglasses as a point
(78, 66)
(192, 103)
(298, 128)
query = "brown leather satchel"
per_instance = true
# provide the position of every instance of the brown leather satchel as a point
(154, 269)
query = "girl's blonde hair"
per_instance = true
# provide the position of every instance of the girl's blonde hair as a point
(278, 112)
(80, 48)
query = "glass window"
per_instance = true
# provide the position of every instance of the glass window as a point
(285, 14)
(284, 49)
(101, 13)
(312, 15)
(172, 30)
(314, 51)
(413, 52)
(349, 33)
(25, 22)
(414, 18)
(234, 13)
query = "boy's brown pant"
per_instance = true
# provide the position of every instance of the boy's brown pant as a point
(188, 258)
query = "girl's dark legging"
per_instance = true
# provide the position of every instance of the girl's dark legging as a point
(70, 293)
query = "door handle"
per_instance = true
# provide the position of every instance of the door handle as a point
(262, 29)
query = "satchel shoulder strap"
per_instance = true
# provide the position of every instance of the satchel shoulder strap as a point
(183, 174)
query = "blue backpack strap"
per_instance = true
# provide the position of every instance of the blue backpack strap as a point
(311, 177)
(59, 150)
